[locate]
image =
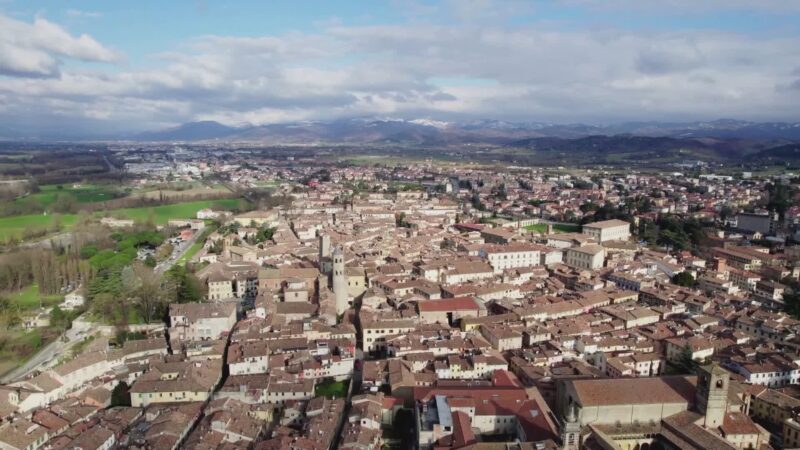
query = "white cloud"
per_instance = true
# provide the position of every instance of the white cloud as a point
(524, 73)
(37, 49)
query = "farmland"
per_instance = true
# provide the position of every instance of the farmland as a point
(81, 193)
(196, 190)
(16, 225)
(162, 214)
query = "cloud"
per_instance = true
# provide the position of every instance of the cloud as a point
(670, 56)
(37, 49)
(416, 69)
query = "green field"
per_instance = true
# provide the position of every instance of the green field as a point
(542, 228)
(266, 184)
(162, 214)
(15, 225)
(330, 388)
(191, 252)
(85, 193)
(29, 298)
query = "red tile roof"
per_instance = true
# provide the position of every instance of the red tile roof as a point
(448, 304)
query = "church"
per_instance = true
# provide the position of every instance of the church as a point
(702, 412)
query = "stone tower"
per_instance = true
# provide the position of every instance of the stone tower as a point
(339, 281)
(325, 254)
(571, 430)
(324, 246)
(712, 394)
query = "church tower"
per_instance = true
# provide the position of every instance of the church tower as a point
(571, 430)
(339, 281)
(712, 394)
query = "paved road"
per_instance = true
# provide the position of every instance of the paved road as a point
(49, 353)
(177, 253)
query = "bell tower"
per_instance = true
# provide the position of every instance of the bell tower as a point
(339, 281)
(571, 430)
(325, 254)
(712, 394)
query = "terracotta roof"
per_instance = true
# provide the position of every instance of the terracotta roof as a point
(638, 391)
(448, 304)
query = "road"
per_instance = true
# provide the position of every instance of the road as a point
(111, 167)
(177, 253)
(49, 353)
(78, 331)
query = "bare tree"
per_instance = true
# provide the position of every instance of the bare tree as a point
(148, 290)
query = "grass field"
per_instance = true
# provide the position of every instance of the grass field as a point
(29, 298)
(218, 190)
(85, 193)
(266, 184)
(162, 214)
(542, 228)
(15, 225)
(330, 389)
(191, 252)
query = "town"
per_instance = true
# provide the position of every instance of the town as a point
(424, 304)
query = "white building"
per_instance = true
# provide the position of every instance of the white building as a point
(73, 300)
(513, 256)
(201, 321)
(608, 230)
(589, 257)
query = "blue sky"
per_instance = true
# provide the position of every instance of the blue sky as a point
(149, 64)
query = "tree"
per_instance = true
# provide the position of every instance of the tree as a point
(779, 198)
(188, 289)
(105, 306)
(726, 212)
(683, 279)
(59, 319)
(400, 220)
(262, 235)
(121, 395)
(165, 251)
(149, 291)
(88, 251)
(404, 420)
(687, 364)
(791, 301)
(149, 261)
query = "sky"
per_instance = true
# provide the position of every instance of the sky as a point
(106, 67)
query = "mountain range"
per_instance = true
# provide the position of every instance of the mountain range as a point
(431, 132)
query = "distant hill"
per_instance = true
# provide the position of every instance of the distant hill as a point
(786, 154)
(193, 131)
(431, 132)
(724, 141)
(620, 149)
